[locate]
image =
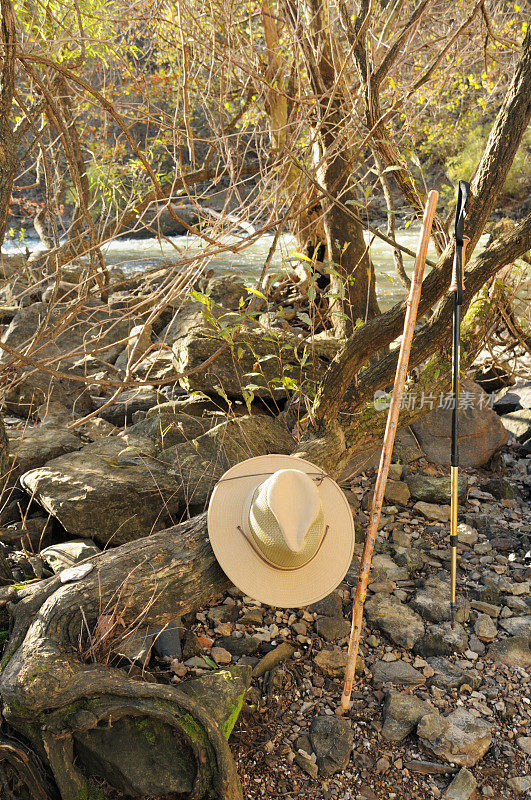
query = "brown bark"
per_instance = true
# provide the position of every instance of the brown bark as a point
(49, 693)
(8, 145)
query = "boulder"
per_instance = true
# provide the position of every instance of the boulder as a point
(399, 622)
(105, 494)
(481, 431)
(96, 328)
(459, 738)
(222, 692)
(512, 398)
(332, 739)
(266, 364)
(397, 492)
(158, 220)
(518, 423)
(517, 626)
(127, 403)
(402, 712)
(435, 490)
(34, 447)
(199, 464)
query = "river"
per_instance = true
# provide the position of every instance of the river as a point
(134, 255)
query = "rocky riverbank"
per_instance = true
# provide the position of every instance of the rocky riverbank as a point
(437, 711)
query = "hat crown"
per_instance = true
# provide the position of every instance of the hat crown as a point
(293, 498)
(286, 518)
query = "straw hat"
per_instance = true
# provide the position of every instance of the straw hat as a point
(281, 530)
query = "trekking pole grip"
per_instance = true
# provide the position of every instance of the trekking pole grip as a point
(459, 264)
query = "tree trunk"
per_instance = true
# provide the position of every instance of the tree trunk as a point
(8, 145)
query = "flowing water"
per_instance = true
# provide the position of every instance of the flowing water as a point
(134, 255)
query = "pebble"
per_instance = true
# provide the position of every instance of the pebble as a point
(220, 655)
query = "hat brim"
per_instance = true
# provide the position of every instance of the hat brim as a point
(246, 570)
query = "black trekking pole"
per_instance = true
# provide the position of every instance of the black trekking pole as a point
(456, 287)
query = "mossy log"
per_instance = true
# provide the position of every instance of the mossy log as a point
(60, 702)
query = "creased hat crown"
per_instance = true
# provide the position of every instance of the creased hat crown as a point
(286, 518)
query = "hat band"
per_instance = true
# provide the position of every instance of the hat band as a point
(269, 563)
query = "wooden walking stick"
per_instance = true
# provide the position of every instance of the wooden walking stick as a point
(456, 287)
(387, 450)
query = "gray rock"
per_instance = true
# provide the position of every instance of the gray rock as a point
(437, 513)
(397, 492)
(520, 785)
(450, 676)
(459, 738)
(402, 712)
(514, 651)
(517, 626)
(198, 465)
(435, 490)
(411, 558)
(167, 641)
(518, 423)
(332, 663)
(383, 565)
(167, 429)
(442, 640)
(231, 370)
(128, 403)
(95, 327)
(485, 629)
(399, 673)
(329, 606)
(466, 534)
(306, 764)
(66, 554)
(399, 622)
(101, 494)
(332, 739)
(524, 743)
(462, 787)
(245, 646)
(501, 489)
(481, 431)
(432, 602)
(512, 398)
(332, 628)
(33, 447)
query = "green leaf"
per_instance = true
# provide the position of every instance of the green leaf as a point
(209, 662)
(256, 292)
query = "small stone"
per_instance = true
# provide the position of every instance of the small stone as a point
(383, 764)
(485, 629)
(220, 655)
(442, 640)
(306, 764)
(459, 738)
(332, 628)
(400, 623)
(178, 668)
(466, 534)
(524, 743)
(520, 785)
(432, 511)
(254, 616)
(514, 651)
(450, 676)
(332, 663)
(67, 554)
(401, 538)
(332, 739)
(462, 787)
(245, 646)
(486, 608)
(399, 673)
(402, 711)
(281, 653)
(397, 492)
(329, 606)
